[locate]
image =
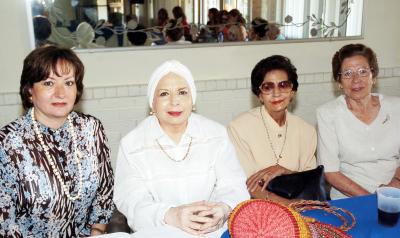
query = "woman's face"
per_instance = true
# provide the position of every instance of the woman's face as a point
(232, 19)
(210, 16)
(356, 77)
(172, 103)
(280, 92)
(54, 97)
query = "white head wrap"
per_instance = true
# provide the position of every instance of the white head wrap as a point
(170, 66)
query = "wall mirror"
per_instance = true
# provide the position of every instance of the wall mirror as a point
(130, 23)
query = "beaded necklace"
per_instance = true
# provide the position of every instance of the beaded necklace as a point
(277, 157)
(77, 155)
(170, 157)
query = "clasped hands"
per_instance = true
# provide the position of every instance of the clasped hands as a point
(258, 182)
(198, 218)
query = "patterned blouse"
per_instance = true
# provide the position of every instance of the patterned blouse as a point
(32, 202)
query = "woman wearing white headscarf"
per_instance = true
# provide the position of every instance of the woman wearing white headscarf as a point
(177, 168)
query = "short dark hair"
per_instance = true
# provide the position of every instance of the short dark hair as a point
(177, 11)
(138, 36)
(236, 14)
(174, 31)
(275, 62)
(260, 26)
(351, 50)
(41, 27)
(162, 17)
(41, 62)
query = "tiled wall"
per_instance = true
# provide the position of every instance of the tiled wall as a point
(120, 108)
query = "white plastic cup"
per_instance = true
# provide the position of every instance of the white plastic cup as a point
(388, 205)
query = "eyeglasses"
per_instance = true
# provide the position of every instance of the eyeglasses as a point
(361, 72)
(268, 87)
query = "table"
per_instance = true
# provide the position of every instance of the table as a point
(364, 208)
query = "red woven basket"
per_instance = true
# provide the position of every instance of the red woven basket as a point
(261, 219)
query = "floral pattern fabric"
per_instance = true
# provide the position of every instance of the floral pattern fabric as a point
(32, 202)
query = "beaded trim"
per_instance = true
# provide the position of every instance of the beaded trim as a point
(77, 155)
(305, 205)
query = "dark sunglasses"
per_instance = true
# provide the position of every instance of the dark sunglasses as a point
(268, 87)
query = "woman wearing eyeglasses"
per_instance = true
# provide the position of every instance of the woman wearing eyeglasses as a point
(269, 140)
(358, 132)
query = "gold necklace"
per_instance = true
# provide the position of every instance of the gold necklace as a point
(77, 155)
(277, 157)
(170, 157)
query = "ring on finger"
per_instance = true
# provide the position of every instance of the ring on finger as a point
(261, 182)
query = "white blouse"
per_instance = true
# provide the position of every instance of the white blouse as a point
(148, 181)
(367, 154)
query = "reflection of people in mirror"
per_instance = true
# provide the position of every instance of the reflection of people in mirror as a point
(236, 29)
(180, 17)
(137, 36)
(42, 30)
(174, 33)
(162, 21)
(274, 33)
(213, 21)
(259, 29)
(177, 168)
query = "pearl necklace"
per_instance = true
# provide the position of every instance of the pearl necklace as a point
(170, 157)
(277, 157)
(77, 155)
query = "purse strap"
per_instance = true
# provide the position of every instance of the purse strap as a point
(306, 205)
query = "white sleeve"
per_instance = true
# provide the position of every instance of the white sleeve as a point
(132, 197)
(328, 147)
(231, 180)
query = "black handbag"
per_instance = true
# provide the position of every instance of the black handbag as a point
(307, 185)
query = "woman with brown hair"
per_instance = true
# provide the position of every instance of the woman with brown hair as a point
(55, 172)
(180, 18)
(358, 132)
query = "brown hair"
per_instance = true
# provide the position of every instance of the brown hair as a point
(351, 50)
(41, 62)
(173, 30)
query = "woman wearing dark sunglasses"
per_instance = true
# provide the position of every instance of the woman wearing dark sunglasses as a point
(358, 132)
(269, 140)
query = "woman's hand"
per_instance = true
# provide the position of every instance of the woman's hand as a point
(260, 179)
(345, 185)
(219, 214)
(395, 182)
(97, 229)
(187, 217)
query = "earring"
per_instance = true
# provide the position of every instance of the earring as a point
(151, 113)
(30, 99)
(340, 86)
(194, 108)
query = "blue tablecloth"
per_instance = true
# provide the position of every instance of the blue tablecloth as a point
(364, 209)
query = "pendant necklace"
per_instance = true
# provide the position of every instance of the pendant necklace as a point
(277, 157)
(51, 160)
(170, 157)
